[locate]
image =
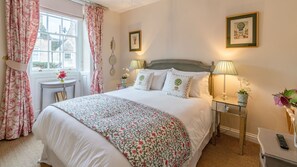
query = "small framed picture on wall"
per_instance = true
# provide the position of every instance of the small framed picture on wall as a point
(242, 30)
(135, 41)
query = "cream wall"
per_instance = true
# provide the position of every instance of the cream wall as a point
(64, 6)
(111, 28)
(195, 29)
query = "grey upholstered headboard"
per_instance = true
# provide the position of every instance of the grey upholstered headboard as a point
(183, 65)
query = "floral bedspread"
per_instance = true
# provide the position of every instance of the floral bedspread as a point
(144, 135)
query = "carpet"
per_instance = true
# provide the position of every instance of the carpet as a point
(26, 151)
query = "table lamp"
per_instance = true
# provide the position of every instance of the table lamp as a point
(225, 67)
(136, 64)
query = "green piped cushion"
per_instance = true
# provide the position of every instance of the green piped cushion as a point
(143, 80)
(177, 85)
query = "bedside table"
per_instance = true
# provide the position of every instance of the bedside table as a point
(271, 155)
(240, 112)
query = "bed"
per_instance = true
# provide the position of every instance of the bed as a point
(68, 142)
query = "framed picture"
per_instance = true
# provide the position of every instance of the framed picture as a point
(135, 41)
(242, 30)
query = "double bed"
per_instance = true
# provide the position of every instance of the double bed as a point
(68, 142)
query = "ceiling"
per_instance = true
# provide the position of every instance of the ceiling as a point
(123, 5)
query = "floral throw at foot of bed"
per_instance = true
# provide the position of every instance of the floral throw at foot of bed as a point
(144, 135)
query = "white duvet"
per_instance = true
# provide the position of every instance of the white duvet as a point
(77, 145)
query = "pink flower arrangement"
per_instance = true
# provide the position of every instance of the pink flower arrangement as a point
(62, 75)
(287, 98)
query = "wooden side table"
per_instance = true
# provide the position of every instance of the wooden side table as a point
(240, 112)
(271, 155)
(55, 84)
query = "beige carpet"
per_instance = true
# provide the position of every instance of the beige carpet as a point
(25, 152)
(226, 154)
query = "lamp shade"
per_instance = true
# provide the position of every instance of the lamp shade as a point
(136, 64)
(225, 67)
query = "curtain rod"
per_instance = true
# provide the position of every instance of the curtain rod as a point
(83, 2)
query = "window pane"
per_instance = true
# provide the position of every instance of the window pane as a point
(42, 42)
(55, 60)
(43, 23)
(56, 42)
(69, 27)
(70, 60)
(39, 60)
(54, 24)
(37, 43)
(69, 44)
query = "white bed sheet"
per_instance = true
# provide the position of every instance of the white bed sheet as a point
(77, 145)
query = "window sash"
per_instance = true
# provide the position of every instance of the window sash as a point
(60, 36)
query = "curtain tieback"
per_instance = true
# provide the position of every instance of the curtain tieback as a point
(16, 65)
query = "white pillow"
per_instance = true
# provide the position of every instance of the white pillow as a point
(166, 87)
(177, 85)
(199, 84)
(143, 80)
(158, 78)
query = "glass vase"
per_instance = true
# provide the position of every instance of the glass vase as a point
(242, 99)
(124, 83)
(294, 109)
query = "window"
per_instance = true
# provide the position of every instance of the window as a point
(56, 44)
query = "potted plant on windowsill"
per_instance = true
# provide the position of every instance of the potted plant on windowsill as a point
(243, 93)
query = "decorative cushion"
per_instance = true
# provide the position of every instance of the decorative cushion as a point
(143, 80)
(199, 84)
(158, 78)
(177, 85)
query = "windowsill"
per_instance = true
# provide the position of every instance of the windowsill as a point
(53, 71)
(53, 74)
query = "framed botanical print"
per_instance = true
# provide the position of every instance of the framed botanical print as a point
(135, 41)
(242, 30)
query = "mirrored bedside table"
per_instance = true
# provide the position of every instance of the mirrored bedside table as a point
(240, 111)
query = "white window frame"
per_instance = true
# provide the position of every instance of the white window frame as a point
(79, 46)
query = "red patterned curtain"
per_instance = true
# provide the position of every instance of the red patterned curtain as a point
(94, 19)
(16, 114)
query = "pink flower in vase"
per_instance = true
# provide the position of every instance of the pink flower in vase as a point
(62, 75)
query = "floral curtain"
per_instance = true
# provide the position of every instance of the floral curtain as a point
(94, 19)
(16, 114)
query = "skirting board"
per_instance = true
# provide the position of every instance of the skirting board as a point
(235, 133)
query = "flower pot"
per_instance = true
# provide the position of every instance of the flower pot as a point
(295, 135)
(295, 125)
(124, 83)
(242, 99)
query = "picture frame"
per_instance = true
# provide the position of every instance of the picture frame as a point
(135, 41)
(242, 30)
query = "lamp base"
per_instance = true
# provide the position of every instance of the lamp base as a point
(224, 96)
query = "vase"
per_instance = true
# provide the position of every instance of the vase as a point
(295, 125)
(242, 99)
(295, 136)
(292, 121)
(124, 83)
